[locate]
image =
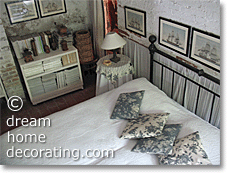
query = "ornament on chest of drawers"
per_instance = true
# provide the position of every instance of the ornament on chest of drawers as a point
(34, 49)
(54, 43)
(27, 55)
(64, 45)
(62, 30)
(47, 49)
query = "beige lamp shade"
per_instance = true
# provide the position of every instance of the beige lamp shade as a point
(112, 41)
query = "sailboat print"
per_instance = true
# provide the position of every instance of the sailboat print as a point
(207, 53)
(134, 23)
(173, 40)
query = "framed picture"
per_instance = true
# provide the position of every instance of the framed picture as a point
(205, 49)
(174, 35)
(135, 21)
(21, 11)
(51, 7)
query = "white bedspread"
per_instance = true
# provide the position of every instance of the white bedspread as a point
(88, 126)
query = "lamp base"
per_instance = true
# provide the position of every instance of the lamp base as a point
(115, 59)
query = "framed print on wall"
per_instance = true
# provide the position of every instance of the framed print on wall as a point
(21, 11)
(174, 35)
(51, 7)
(205, 49)
(135, 20)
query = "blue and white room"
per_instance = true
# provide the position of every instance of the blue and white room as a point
(110, 82)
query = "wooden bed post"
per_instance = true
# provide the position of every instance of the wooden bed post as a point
(152, 49)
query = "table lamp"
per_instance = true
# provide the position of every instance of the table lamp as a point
(113, 42)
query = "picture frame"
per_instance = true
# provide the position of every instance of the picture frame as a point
(51, 7)
(174, 35)
(135, 20)
(21, 11)
(205, 49)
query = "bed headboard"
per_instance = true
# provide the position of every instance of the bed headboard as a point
(198, 92)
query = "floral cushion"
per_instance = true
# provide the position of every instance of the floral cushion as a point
(146, 125)
(162, 144)
(128, 105)
(186, 151)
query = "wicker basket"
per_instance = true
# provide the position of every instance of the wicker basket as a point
(85, 41)
(82, 34)
(84, 46)
(86, 54)
(87, 59)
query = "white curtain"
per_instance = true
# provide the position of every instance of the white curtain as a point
(190, 102)
(96, 9)
(140, 58)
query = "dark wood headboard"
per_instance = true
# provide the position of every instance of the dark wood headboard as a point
(153, 49)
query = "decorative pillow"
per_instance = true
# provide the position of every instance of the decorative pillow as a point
(146, 125)
(187, 151)
(128, 105)
(162, 144)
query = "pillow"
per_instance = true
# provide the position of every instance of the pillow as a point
(162, 144)
(128, 105)
(186, 151)
(147, 125)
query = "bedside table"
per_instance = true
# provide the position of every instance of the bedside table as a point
(114, 75)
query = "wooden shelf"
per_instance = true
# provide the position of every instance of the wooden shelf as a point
(49, 72)
(47, 56)
(40, 60)
(56, 93)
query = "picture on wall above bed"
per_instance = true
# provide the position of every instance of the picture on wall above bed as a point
(21, 11)
(174, 35)
(205, 49)
(135, 20)
(51, 7)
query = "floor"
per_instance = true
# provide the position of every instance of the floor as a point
(50, 106)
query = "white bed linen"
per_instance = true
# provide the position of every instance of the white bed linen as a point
(88, 126)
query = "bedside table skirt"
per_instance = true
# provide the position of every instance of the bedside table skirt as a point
(103, 84)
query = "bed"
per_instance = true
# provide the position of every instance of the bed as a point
(88, 126)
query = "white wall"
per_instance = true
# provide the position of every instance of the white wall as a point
(76, 18)
(201, 14)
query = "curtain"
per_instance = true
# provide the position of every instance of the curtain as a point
(110, 15)
(96, 9)
(140, 58)
(203, 108)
